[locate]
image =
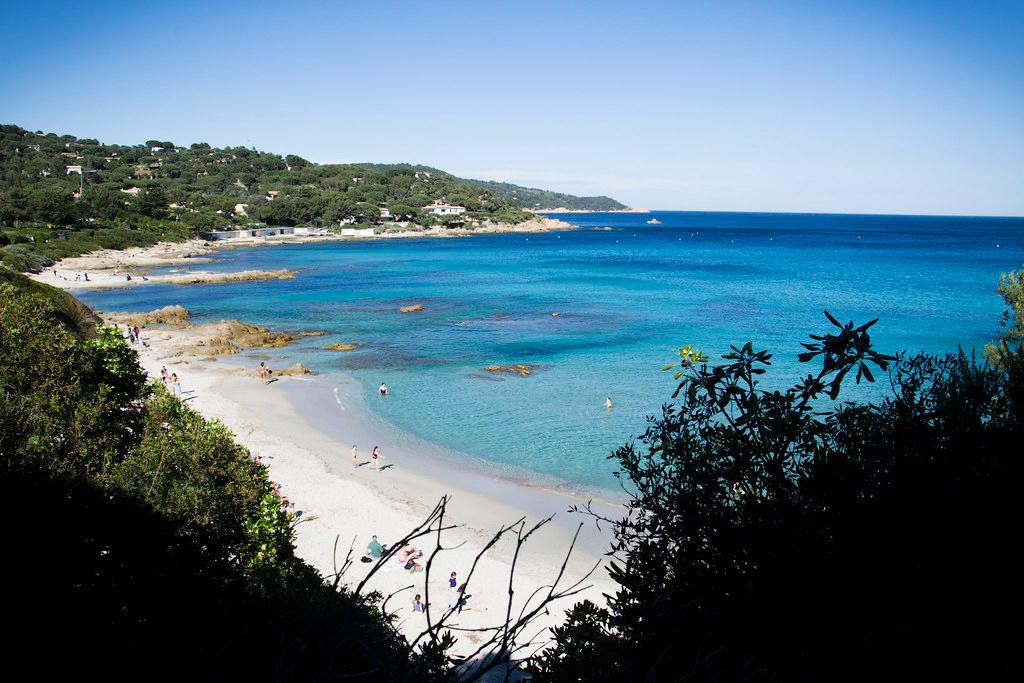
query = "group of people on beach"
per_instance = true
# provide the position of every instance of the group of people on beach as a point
(374, 457)
(407, 556)
(134, 335)
(457, 598)
(170, 381)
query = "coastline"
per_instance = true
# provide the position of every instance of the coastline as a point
(562, 209)
(342, 504)
(107, 267)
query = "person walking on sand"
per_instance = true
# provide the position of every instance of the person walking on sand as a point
(417, 604)
(452, 581)
(355, 456)
(264, 372)
(175, 385)
(376, 458)
(164, 377)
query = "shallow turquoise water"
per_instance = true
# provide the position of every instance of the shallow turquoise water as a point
(625, 297)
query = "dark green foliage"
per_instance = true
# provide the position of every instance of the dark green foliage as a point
(148, 544)
(776, 536)
(66, 309)
(61, 402)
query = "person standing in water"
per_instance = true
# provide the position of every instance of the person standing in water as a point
(355, 455)
(607, 402)
(376, 458)
(383, 389)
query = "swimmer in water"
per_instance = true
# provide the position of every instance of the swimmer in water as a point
(383, 389)
(607, 402)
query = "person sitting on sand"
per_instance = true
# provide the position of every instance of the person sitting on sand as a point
(374, 548)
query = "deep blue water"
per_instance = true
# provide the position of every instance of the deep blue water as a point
(626, 298)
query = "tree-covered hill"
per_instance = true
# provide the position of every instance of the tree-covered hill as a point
(531, 198)
(63, 180)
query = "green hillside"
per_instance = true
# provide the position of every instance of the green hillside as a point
(524, 197)
(61, 195)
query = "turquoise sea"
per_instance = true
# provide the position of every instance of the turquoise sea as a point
(625, 298)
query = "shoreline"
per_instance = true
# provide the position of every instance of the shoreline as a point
(107, 267)
(562, 209)
(343, 504)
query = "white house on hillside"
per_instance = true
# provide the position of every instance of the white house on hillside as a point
(439, 208)
(68, 170)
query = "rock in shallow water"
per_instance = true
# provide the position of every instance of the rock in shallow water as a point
(521, 369)
(341, 347)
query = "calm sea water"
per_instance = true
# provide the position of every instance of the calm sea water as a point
(625, 298)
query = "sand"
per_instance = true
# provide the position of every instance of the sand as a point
(340, 505)
(107, 268)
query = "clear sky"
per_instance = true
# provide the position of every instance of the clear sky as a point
(894, 107)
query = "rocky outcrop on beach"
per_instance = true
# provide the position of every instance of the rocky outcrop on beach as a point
(248, 336)
(341, 347)
(520, 369)
(174, 316)
(294, 371)
(414, 308)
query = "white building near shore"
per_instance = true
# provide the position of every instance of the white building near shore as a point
(439, 208)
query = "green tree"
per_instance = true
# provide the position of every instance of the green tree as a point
(780, 535)
(1008, 349)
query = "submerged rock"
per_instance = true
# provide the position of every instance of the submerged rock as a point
(414, 308)
(521, 369)
(341, 347)
(315, 333)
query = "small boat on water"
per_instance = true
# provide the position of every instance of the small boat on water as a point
(654, 221)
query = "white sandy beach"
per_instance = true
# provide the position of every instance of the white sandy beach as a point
(342, 505)
(107, 268)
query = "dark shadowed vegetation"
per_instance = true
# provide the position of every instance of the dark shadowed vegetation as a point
(784, 536)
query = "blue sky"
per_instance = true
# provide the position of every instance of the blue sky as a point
(910, 107)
